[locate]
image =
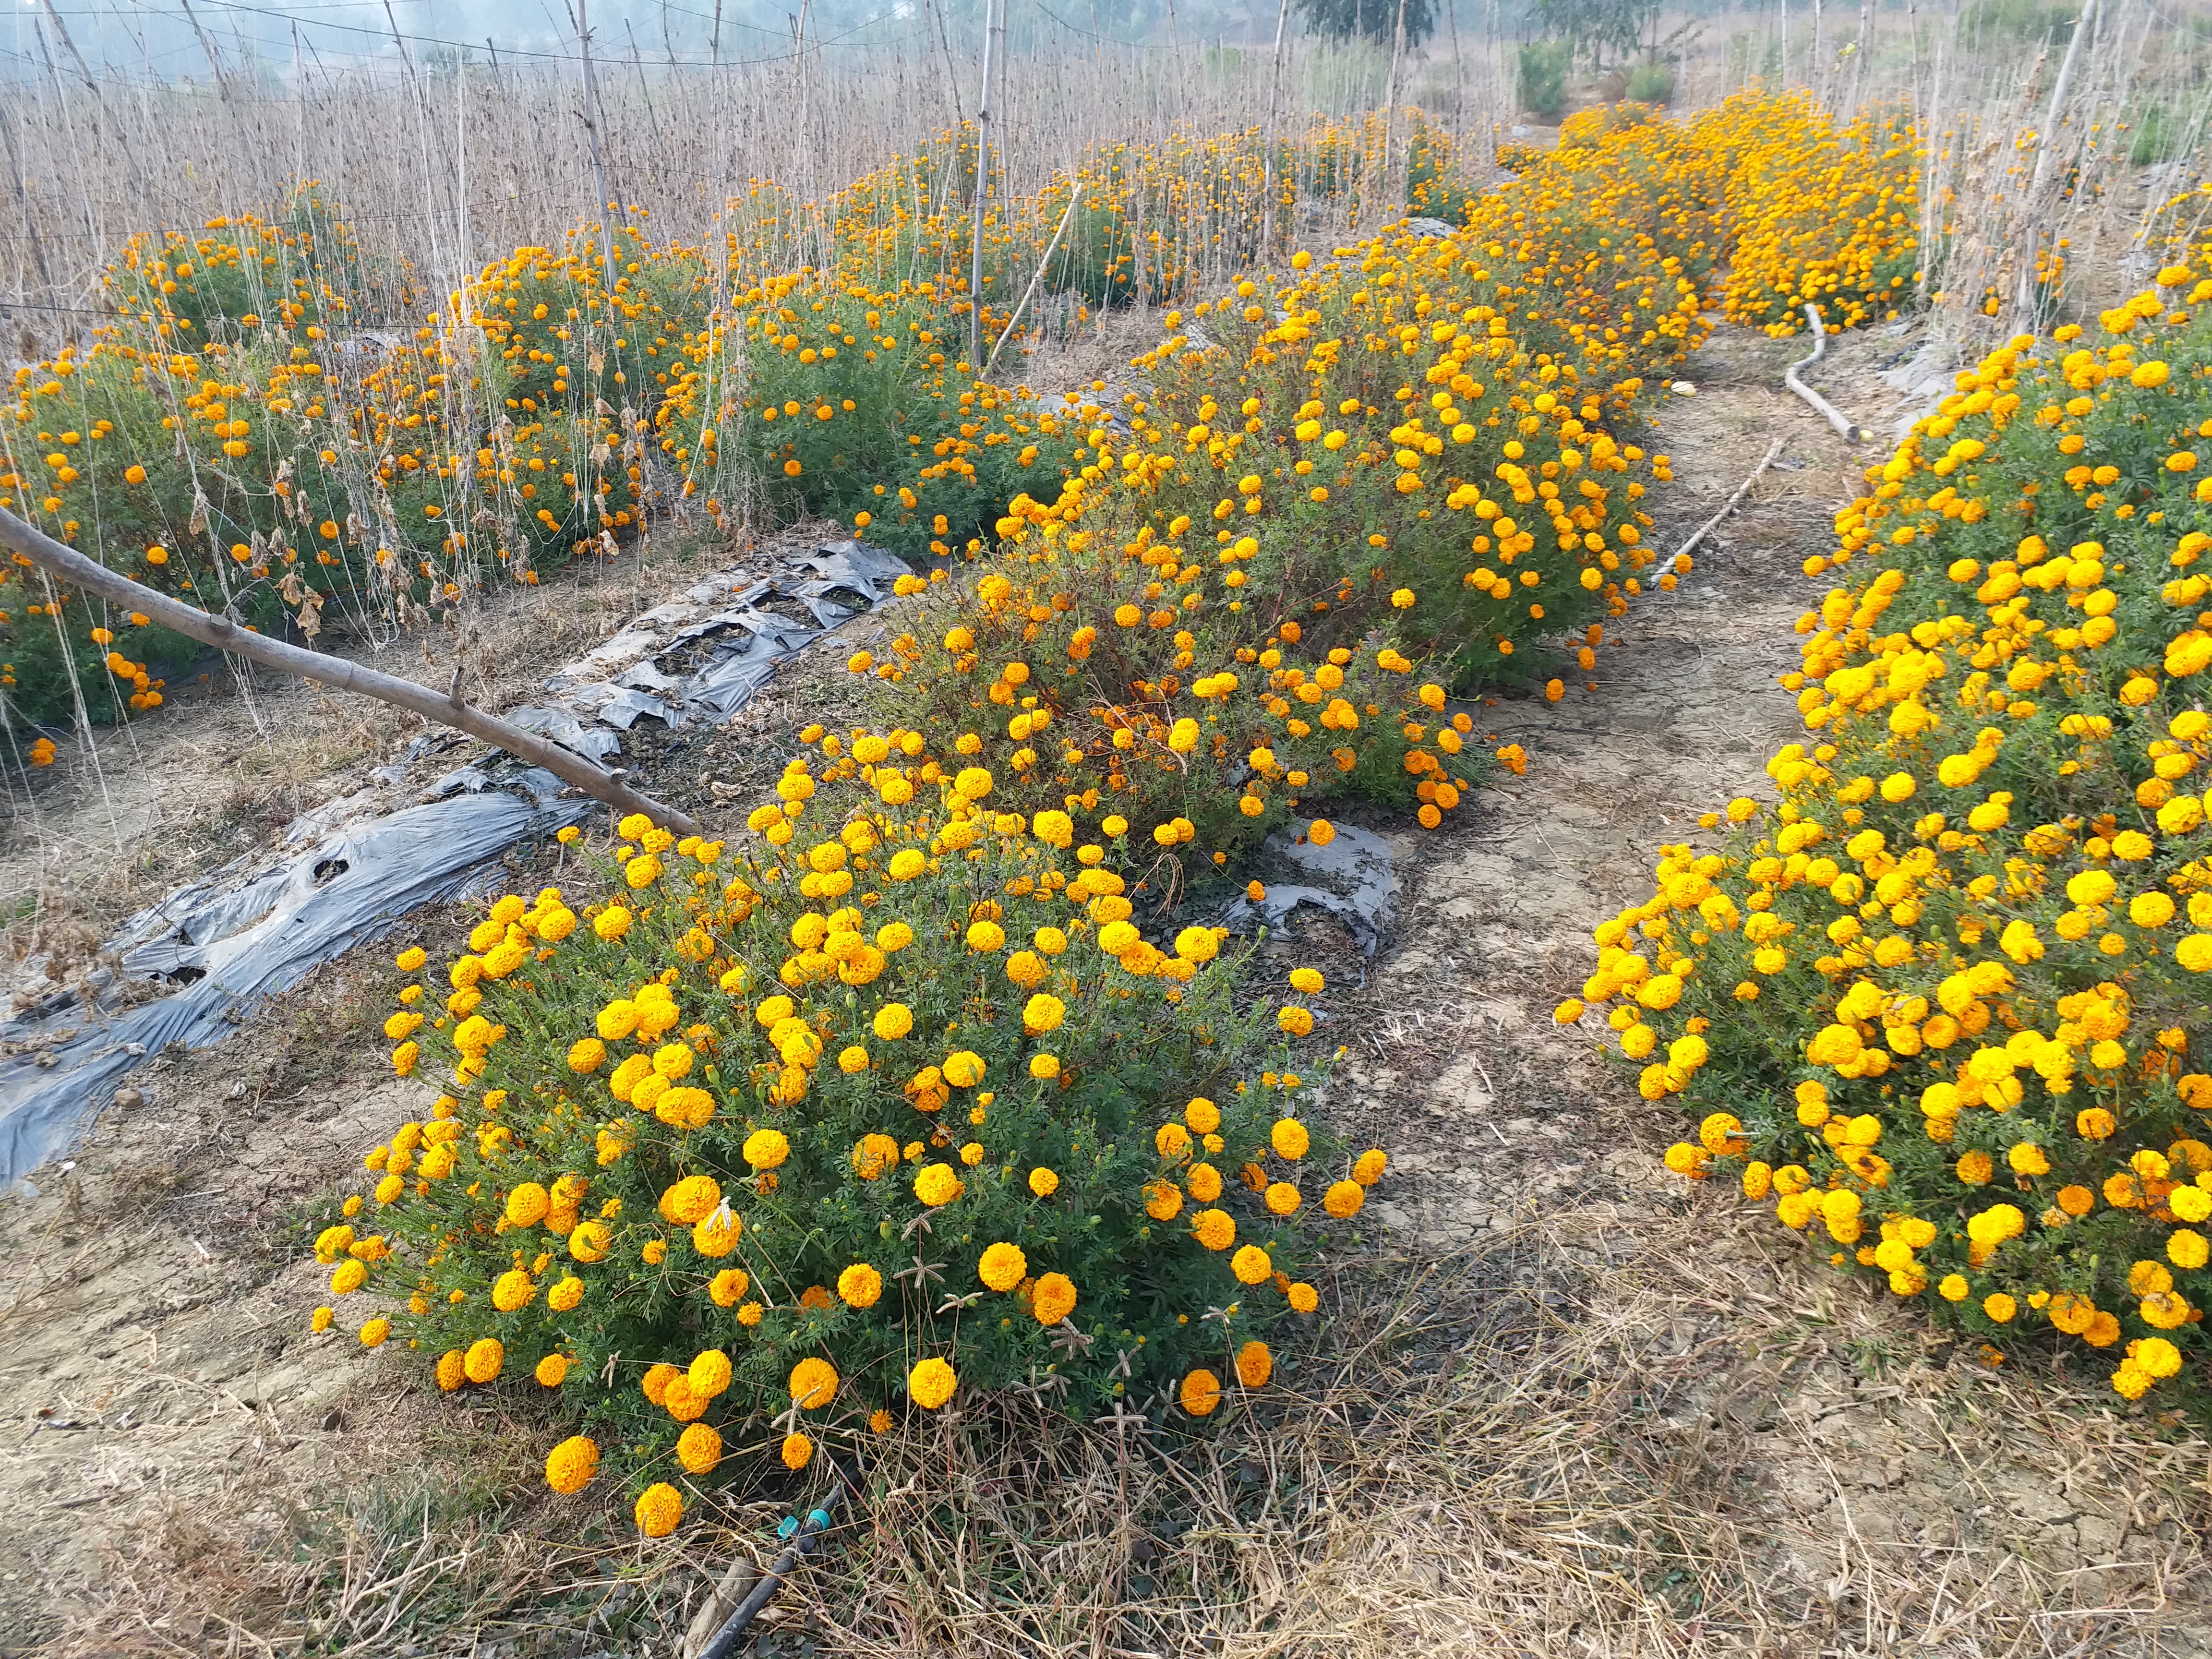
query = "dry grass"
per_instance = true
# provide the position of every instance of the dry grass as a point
(1576, 1439)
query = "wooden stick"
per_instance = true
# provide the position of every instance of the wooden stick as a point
(72, 567)
(1707, 527)
(1075, 192)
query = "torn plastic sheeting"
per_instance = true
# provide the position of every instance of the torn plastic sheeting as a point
(240, 937)
(620, 705)
(1361, 888)
(727, 684)
(564, 728)
(866, 570)
(814, 596)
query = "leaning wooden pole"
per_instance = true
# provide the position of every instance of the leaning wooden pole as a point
(67, 564)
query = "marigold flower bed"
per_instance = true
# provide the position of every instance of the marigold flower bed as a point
(1944, 1007)
(779, 1141)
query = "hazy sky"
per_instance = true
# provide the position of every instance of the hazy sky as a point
(156, 39)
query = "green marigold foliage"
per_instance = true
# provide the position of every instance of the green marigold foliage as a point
(1945, 1006)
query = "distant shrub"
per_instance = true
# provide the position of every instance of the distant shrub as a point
(1544, 76)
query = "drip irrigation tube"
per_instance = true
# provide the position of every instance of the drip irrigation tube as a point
(1834, 416)
(802, 1536)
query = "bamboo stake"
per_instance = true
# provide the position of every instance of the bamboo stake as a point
(1393, 178)
(1268, 169)
(1074, 194)
(1729, 506)
(983, 175)
(60, 560)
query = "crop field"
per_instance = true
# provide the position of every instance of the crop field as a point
(982, 833)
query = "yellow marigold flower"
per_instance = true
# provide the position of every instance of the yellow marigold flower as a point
(1320, 832)
(351, 1276)
(1255, 1364)
(859, 1286)
(1215, 1229)
(660, 1507)
(727, 1288)
(766, 1149)
(1953, 1288)
(565, 1296)
(1251, 1265)
(893, 1021)
(1203, 1115)
(873, 1154)
(1302, 1298)
(1289, 1138)
(699, 1448)
(1307, 981)
(611, 923)
(681, 1401)
(512, 1290)
(1043, 1182)
(1295, 1021)
(813, 1383)
(1162, 1201)
(1344, 1200)
(320, 1319)
(1200, 1393)
(1053, 1299)
(552, 1370)
(1003, 1267)
(1282, 1198)
(709, 1373)
(1171, 1139)
(1367, 1169)
(486, 1357)
(412, 958)
(937, 1184)
(798, 1451)
(931, 1384)
(570, 1465)
(692, 1198)
(963, 1069)
(586, 1055)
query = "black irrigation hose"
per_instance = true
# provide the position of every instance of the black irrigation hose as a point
(802, 1543)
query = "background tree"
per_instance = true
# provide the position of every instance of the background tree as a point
(1374, 20)
(1599, 26)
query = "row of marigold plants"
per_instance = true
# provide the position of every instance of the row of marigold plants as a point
(1942, 1006)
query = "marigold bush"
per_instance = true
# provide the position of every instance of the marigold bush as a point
(1945, 1005)
(770, 1143)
